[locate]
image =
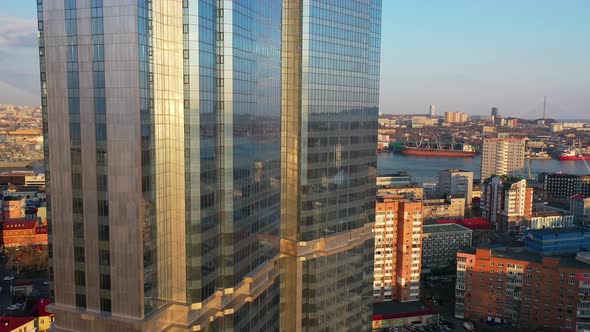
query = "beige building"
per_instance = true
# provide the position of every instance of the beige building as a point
(502, 157)
(444, 208)
(412, 190)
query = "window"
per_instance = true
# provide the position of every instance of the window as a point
(80, 278)
(105, 281)
(105, 305)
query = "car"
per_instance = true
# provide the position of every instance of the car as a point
(8, 278)
(46, 282)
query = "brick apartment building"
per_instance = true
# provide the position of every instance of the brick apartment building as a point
(523, 289)
(398, 249)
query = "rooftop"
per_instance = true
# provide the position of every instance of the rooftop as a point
(12, 198)
(521, 254)
(557, 231)
(471, 223)
(579, 197)
(443, 228)
(547, 214)
(8, 324)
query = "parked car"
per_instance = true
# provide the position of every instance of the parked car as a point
(8, 278)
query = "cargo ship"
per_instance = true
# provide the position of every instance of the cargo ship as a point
(574, 153)
(465, 151)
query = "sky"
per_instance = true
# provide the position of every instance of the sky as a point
(460, 55)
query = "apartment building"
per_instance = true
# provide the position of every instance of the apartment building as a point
(444, 208)
(440, 244)
(457, 183)
(523, 290)
(502, 156)
(507, 202)
(398, 249)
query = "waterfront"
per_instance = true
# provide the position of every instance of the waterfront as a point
(426, 168)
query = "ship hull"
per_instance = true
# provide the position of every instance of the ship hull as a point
(568, 158)
(437, 153)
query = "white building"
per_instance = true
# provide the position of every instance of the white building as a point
(502, 157)
(550, 219)
(457, 183)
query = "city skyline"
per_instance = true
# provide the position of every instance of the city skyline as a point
(495, 53)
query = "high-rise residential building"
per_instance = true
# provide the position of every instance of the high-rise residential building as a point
(457, 183)
(398, 249)
(455, 117)
(523, 290)
(502, 156)
(175, 201)
(507, 202)
(564, 185)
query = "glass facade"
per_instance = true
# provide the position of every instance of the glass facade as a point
(73, 79)
(100, 125)
(331, 56)
(201, 90)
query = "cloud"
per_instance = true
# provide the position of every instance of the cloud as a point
(17, 32)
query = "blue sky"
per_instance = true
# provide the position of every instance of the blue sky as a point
(461, 55)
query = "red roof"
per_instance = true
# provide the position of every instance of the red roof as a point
(8, 324)
(14, 224)
(578, 196)
(471, 223)
(39, 307)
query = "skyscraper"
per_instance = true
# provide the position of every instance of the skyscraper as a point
(502, 156)
(329, 117)
(495, 112)
(165, 162)
(432, 110)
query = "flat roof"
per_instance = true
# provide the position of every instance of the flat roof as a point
(521, 254)
(547, 214)
(549, 231)
(442, 228)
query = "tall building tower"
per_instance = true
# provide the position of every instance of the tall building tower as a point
(507, 202)
(502, 156)
(432, 110)
(457, 183)
(165, 163)
(329, 121)
(398, 249)
(495, 112)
